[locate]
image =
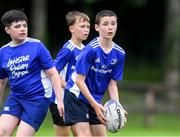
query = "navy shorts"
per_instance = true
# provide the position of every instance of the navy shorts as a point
(33, 112)
(57, 120)
(78, 111)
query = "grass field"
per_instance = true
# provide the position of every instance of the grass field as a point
(164, 125)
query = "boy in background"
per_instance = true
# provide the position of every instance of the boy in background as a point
(79, 26)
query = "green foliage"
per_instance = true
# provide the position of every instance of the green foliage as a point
(143, 72)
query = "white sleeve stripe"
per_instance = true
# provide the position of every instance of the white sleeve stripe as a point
(119, 49)
(70, 46)
(94, 42)
(94, 45)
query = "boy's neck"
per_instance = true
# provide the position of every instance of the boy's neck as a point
(106, 44)
(76, 42)
(16, 43)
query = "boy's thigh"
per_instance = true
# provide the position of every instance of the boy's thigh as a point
(98, 130)
(25, 129)
(6, 128)
(82, 129)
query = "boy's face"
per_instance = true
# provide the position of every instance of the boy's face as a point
(80, 29)
(18, 31)
(107, 27)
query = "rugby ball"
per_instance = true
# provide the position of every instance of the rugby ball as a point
(115, 116)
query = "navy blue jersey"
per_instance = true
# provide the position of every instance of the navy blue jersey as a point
(99, 68)
(23, 65)
(65, 61)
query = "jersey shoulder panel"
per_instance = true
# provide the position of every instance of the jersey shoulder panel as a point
(6, 45)
(33, 40)
(118, 48)
(94, 43)
(69, 45)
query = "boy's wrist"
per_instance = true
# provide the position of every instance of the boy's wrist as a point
(94, 104)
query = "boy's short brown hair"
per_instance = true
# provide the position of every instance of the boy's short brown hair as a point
(71, 17)
(104, 13)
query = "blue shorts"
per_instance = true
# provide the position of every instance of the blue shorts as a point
(78, 111)
(33, 112)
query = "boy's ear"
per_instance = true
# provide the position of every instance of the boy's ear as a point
(96, 27)
(71, 28)
(7, 30)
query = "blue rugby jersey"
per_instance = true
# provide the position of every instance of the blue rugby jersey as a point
(23, 65)
(65, 61)
(99, 68)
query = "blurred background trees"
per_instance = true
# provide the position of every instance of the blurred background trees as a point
(172, 48)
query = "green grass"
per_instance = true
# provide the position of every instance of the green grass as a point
(164, 125)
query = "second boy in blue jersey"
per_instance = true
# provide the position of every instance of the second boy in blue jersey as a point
(99, 66)
(79, 26)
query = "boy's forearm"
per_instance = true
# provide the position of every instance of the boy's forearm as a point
(85, 91)
(63, 83)
(56, 83)
(113, 90)
(87, 94)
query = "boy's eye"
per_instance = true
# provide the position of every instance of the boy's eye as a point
(105, 24)
(17, 26)
(113, 23)
(82, 26)
(25, 25)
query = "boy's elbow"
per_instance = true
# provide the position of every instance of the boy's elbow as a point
(77, 82)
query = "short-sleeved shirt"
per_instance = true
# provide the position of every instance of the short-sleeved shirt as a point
(24, 67)
(99, 68)
(65, 61)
